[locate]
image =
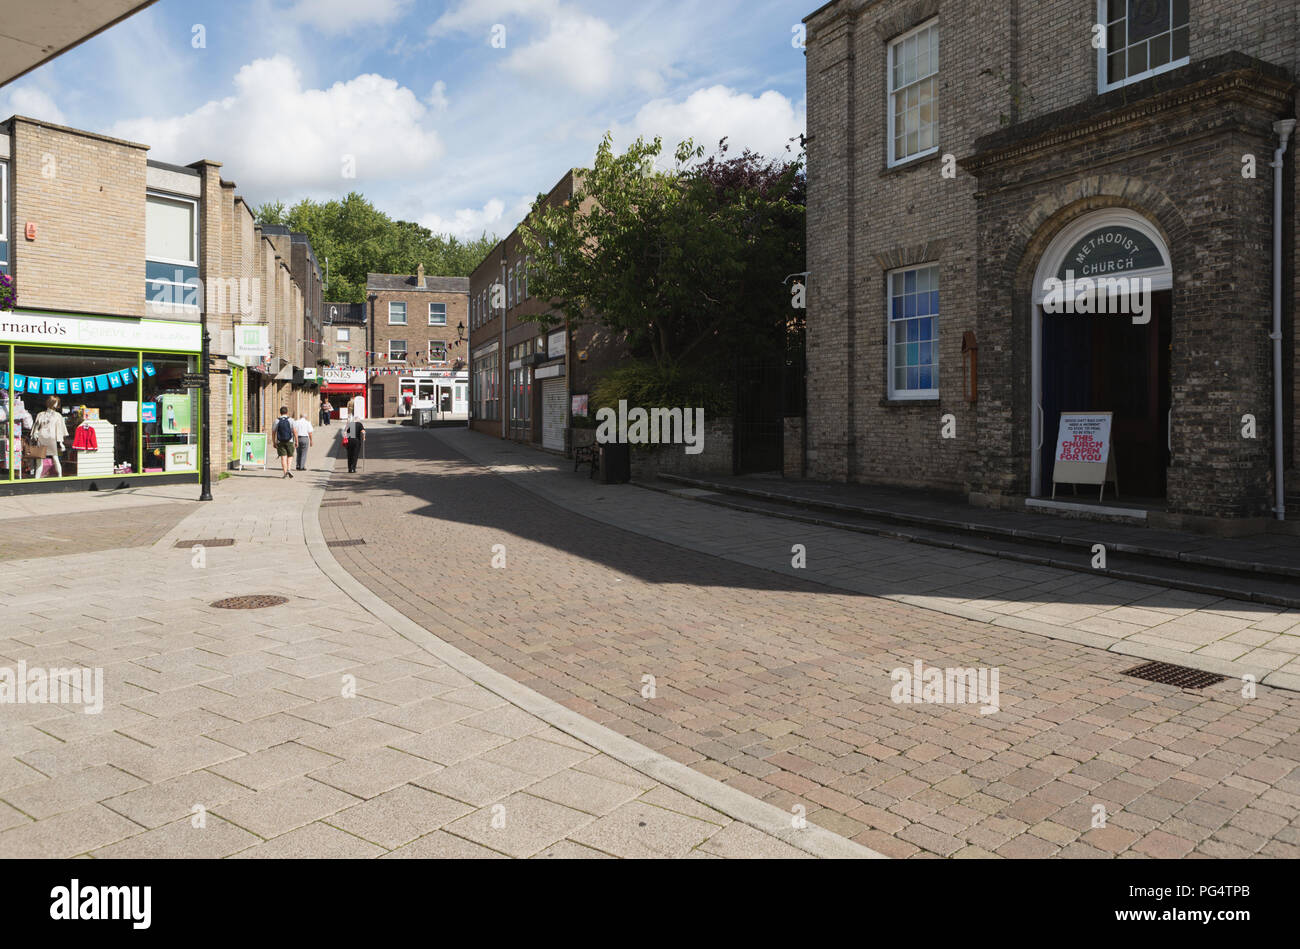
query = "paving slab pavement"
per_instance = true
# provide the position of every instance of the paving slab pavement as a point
(313, 728)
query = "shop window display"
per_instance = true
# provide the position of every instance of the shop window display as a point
(70, 414)
(95, 414)
(171, 416)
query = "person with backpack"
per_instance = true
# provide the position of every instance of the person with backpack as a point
(284, 441)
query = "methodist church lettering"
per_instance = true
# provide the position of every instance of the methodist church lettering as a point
(1111, 250)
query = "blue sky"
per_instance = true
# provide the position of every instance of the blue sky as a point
(437, 124)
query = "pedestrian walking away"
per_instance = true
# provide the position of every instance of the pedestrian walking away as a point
(284, 439)
(303, 430)
(354, 438)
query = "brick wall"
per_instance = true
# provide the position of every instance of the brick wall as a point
(418, 334)
(85, 194)
(865, 219)
(1005, 70)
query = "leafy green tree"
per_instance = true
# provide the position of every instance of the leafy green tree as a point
(687, 263)
(358, 239)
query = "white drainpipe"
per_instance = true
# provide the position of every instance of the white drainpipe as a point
(1283, 129)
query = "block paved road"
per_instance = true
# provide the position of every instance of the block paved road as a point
(780, 686)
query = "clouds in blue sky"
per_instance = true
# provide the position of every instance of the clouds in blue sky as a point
(437, 124)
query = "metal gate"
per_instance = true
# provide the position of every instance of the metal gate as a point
(554, 416)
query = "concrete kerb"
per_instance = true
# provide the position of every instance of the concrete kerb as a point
(735, 804)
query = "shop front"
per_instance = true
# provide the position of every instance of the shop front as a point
(342, 385)
(96, 401)
(445, 393)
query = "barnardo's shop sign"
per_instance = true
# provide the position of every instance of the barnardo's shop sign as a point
(100, 332)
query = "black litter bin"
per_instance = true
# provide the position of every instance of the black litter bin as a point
(615, 463)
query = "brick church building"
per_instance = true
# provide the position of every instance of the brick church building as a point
(965, 159)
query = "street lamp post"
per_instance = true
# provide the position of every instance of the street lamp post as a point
(206, 390)
(370, 355)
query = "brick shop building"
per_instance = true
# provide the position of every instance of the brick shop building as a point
(527, 383)
(120, 263)
(418, 345)
(963, 167)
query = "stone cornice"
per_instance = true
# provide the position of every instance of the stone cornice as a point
(1233, 75)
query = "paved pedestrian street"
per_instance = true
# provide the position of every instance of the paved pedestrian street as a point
(683, 627)
(482, 654)
(325, 727)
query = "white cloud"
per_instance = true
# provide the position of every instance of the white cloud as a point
(472, 14)
(35, 104)
(340, 16)
(438, 97)
(764, 123)
(277, 139)
(574, 49)
(469, 224)
(578, 51)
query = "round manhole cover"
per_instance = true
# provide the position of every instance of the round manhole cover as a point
(250, 602)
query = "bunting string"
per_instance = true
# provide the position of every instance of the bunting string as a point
(77, 385)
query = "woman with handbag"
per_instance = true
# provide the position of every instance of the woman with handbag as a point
(49, 433)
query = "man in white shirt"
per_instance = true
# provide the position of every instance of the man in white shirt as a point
(302, 429)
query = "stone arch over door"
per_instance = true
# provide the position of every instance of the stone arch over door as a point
(1006, 284)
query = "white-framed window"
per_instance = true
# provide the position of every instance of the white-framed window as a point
(343, 359)
(396, 314)
(510, 287)
(437, 351)
(913, 94)
(345, 336)
(437, 314)
(913, 314)
(397, 350)
(1143, 38)
(523, 280)
(171, 230)
(4, 216)
(171, 250)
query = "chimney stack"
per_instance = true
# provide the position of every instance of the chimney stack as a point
(419, 276)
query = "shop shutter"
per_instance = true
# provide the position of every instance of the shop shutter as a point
(553, 414)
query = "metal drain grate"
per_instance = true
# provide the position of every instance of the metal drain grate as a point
(250, 602)
(1167, 674)
(340, 504)
(345, 543)
(217, 542)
